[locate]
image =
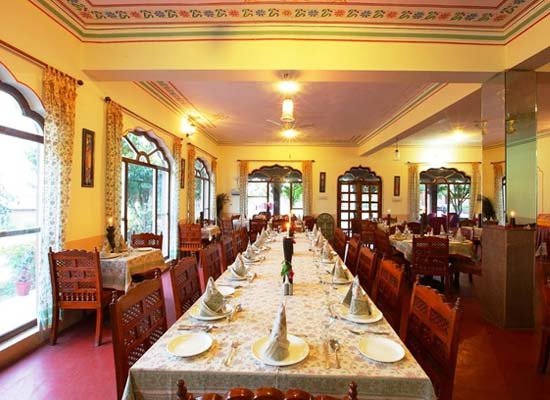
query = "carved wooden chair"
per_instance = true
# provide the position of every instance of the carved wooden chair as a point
(244, 239)
(366, 268)
(138, 320)
(368, 228)
(431, 335)
(76, 285)
(265, 393)
(186, 286)
(309, 222)
(544, 351)
(340, 242)
(388, 291)
(431, 258)
(278, 223)
(384, 249)
(146, 240)
(354, 246)
(228, 252)
(210, 264)
(414, 227)
(236, 241)
(256, 226)
(189, 239)
(226, 226)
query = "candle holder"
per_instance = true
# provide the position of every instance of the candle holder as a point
(288, 249)
(513, 221)
(389, 219)
(111, 237)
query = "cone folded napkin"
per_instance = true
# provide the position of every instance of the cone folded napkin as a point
(212, 302)
(339, 271)
(278, 344)
(459, 237)
(357, 300)
(238, 269)
(326, 253)
(249, 253)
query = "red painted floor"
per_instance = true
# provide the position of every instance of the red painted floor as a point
(492, 364)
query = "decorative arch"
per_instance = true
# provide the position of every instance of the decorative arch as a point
(275, 173)
(29, 100)
(359, 196)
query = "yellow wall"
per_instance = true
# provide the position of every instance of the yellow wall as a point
(543, 164)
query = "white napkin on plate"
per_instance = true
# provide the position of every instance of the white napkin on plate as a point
(442, 230)
(249, 253)
(357, 299)
(326, 253)
(238, 269)
(105, 248)
(212, 301)
(339, 271)
(278, 344)
(459, 237)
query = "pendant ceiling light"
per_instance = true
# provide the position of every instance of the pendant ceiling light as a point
(288, 110)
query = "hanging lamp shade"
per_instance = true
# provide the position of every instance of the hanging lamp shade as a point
(288, 111)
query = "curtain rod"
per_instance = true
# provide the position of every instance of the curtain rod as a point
(204, 151)
(450, 162)
(142, 119)
(277, 160)
(33, 59)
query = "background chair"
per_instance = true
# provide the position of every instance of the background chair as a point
(228, 252)
(138, 320)
(210, 264)
(367, 232)
(384, 249)
(226, 226)
(189, 239)
(76, 285)
(309, 222)
(354, 246)
(544, 351)
(388, 290)
(186, 286)
(414, 227)
(431, 335)
(340, 242)
(366, 268)
(431, 258)
(256, 226)
(146, 240)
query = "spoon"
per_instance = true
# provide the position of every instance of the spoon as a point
(335, 346)
(205, 328)
(357, 332)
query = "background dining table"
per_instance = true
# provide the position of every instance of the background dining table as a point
(463, 248)
(155, 374)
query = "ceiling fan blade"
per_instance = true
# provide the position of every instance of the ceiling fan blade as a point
(302, 126)
(273, 122)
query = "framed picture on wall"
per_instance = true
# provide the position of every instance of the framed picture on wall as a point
(322, 181)
(87, 158)
(396, 186)
(182, 174)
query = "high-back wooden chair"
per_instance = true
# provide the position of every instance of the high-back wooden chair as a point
(189, 239)
(146, 240)
(382, 245)
(431, 258)
(366, 268)
(278, 223)
(340, 242)
(354, 246)
(210, 264)
(388, 291)
(138, 320)
(256, 226)
(309, 222)
(76, 285)
(431, 335)
(228, 251)
(265, 393)
(436, 223)
(544, 351)
(186, 286)
(226, 226)
(244, 239)
(414, 227)
(236, 241)
(367, 232)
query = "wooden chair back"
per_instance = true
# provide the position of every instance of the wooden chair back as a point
(382, 244)
(544, 350)
(244, 240)
(367, 232)
(431, 258)
(467, 222)
(414, 227)
(309, 222)
(186, 286)
(436, 223)
(189, 238)
(210, 264)
(278, 223)
(228, 251)
(76, 285)
(138, 320)
(388, 291)
(431, 334)
(226, 226)
(256, 226)
(354, 246)
(340, 242)
(265, 393)
(237, 242)
(146, 240)
(366, 268)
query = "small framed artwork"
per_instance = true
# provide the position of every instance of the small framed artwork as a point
(182, 174)
(87, 158)
(396, 186)
(322, 181)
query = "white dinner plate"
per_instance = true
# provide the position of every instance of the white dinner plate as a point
(376, 315)
(298, 351)
(381, 349)
(195, 313)
(328, 262)
(108, 256)
(226, 290)
(189, 344)
(144, 248)
(233, 277)
(252, 260)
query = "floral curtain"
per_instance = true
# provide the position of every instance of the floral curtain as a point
(59, 97)
(191, 154)
(243, 183)
(498, 173)
(175, 211)
(475, 191)
(307, 167)
(414, 192)
(113, 162)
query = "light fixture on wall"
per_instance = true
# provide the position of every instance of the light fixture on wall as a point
(396, 153)
(188, 126)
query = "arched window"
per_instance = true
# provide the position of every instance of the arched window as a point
(359, 196)
(146, 187)
(202, 190)
(276, 190)
(444, 191)
(21, 156)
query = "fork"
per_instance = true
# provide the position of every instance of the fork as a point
(229, 358)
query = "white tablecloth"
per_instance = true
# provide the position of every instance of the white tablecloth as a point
(154, 376)
(208, 232)
(465, 248)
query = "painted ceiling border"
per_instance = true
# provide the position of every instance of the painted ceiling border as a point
(332, 32)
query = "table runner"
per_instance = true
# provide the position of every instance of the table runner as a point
(155, 375)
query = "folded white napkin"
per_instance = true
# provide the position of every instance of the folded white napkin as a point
(212, 302)
(121, 244)
(326, 253)
(278, 344)
(249, 253)
(357, 299)
(442, 230)
(238, 269)
(339, 271)
(105, 248)
(406, 230)
(459, 237)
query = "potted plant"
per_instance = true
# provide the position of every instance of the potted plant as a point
(21, 258)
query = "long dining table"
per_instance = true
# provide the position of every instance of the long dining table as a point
(155, 374)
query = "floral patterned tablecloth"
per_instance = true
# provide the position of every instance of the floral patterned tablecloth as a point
(116, 273)
(465, 248)
(154, 376)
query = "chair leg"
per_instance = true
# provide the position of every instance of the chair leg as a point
(98, 326)
(55, 323)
